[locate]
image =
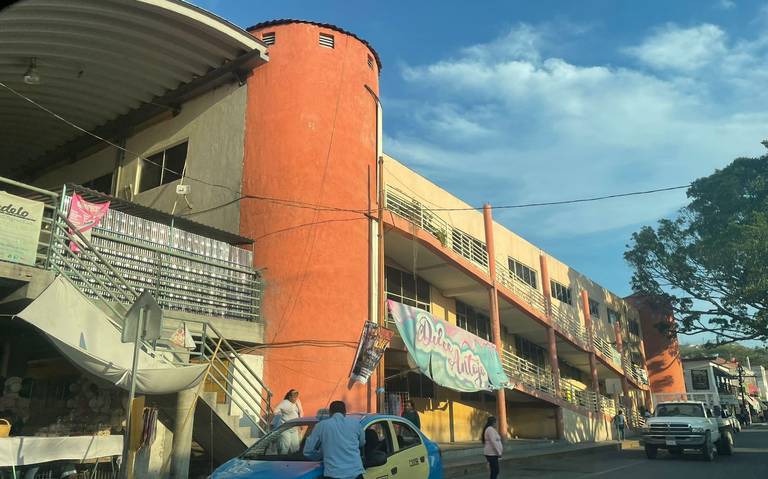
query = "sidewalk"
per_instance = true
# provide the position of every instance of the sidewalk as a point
(462, 459)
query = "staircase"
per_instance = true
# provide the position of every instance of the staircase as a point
(228, 419)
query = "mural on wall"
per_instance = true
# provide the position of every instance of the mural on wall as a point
(447, 354)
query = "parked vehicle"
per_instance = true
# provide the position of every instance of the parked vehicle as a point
(677, 426)
(401, 447)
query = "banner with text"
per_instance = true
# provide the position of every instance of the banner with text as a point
(20, 223)
(373, 342)
(449, 355)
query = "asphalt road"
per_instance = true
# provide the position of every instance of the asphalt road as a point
(749, 461)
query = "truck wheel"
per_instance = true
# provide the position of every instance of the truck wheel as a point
(708, 450)
(725, 444)
(651, 451)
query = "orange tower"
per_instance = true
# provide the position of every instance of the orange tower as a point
(311, 139)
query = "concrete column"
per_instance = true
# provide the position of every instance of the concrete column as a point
(501, 403)
(182, 434)
(545, 286)
(620, 348)
(551, 339)
(591, 346)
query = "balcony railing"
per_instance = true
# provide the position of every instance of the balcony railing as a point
(578, 396)
(525, 291)
(636, 373)
(607, 405)
(186, 272)
(452, 238)
(567, 320)
(607, 350)
(528, 373)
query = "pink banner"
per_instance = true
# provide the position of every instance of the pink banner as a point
(84, 215)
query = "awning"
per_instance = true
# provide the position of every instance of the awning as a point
(88, 337)
(98, 61)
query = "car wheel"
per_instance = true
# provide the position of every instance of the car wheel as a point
(651, 451)
(708, 450)
(725, 444)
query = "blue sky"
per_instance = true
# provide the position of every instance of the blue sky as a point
(516, 101)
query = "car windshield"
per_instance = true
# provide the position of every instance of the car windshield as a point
(685, 410)
(285, 443)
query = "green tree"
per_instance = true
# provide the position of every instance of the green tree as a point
(710, 262)
(758, 356)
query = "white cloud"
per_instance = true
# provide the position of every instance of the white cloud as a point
(726, 4)
(684, 49)
(504, 122)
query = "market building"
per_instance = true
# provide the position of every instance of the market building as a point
(249, 192)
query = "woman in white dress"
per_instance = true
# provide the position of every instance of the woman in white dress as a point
(289, 408)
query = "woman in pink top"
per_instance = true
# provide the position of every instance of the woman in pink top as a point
(492, 446)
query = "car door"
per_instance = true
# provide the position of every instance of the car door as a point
(386, 444)
(410, 459)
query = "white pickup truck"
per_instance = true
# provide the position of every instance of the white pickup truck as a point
(680, 425)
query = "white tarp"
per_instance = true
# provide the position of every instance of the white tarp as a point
(23, 451)
(84, 334)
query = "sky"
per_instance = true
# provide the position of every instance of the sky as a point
(511, 102)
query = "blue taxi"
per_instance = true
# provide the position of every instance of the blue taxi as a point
(394, 448)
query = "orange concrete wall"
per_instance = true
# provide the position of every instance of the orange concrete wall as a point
(311, 138)
(665, 369)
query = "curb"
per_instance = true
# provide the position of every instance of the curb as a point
(459, 469)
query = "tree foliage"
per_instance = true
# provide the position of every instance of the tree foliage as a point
(710, 262)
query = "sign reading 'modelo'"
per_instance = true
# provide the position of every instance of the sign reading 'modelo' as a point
(449, 355)
(20, 222)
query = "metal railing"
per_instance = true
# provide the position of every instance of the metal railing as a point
(577, 395)
(93, 275)
(525, 291)
(528, 373)
(607, 350)
(452, 238)
(608, 405)
(566, 319)
(636, 373)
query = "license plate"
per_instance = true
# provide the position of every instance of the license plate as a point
(671, 442)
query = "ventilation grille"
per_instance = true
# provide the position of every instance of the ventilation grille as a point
(268, 38)
(326, 40)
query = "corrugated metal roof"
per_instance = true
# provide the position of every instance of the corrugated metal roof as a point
(285, 21)
(98, 60)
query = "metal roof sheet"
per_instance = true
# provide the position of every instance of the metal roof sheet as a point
(99, 60)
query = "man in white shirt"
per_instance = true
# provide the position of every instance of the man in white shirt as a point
(338, 441)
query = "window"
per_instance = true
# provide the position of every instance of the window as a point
(382, 441)
(469, 319)
(636, 358)
(594, 308)
(407, 437)
(102, 184)
(634, 327)
(403, 288)
(163, 167)
(569, 371)
(561, 292)
(523, 272)
(370, 62)
(699, 379)
(680, 410)
(613, 316)
(284, 443)
(530, 351)
(268, 38)
(326, 40)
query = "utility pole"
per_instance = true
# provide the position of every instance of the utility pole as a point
(744, 407)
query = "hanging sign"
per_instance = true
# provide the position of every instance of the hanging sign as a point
(373, 342)
(85, 216)
(20, 223)
(449, 355)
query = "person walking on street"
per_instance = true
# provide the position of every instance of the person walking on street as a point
(619, 421)
(289, 408)
(492, 447)
(337, 442)
(411, 414)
